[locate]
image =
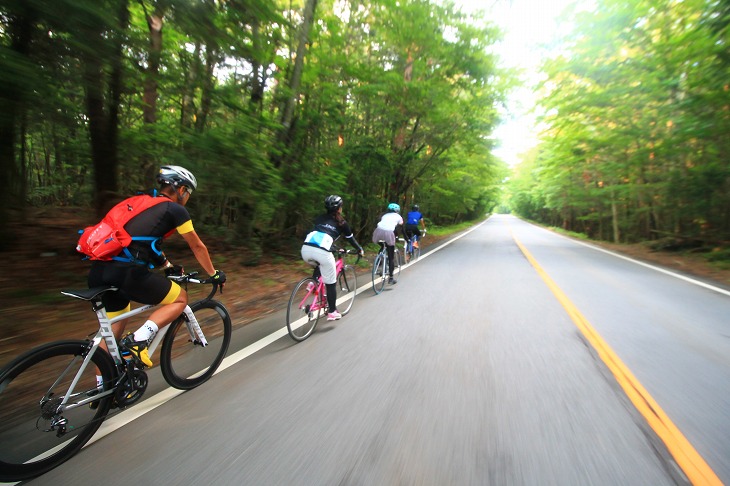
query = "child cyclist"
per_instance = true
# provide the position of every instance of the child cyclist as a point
(317, 248)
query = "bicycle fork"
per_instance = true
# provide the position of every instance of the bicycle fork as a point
(194, 328)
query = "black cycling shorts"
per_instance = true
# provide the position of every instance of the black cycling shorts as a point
(135, 283)
(412, 229)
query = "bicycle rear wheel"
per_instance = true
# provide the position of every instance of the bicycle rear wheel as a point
(380, 272)
(397, 265)
(184, 361)
(34, 436)
(346, 288)
(304, 310)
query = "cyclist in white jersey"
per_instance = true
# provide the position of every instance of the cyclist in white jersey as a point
(389, 223)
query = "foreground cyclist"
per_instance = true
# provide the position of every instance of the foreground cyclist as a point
(385, 231)
(316, 250)
(133, 277)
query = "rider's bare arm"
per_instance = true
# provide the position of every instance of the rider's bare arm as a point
(200, 251)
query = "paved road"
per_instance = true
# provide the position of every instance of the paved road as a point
(469, 371)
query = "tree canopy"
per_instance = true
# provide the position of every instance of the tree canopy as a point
(273, 105)
(637, 110)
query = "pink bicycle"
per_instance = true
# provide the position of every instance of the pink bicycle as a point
(308, 301)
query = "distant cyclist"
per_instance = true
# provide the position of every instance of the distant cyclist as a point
(317, 248)
(389, 223)
(414, 218)
(133, 277)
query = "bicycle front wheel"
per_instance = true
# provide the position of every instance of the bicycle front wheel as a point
(380, 272)
(346, 289)
(304, 310)
(185, 361)
(36, 433)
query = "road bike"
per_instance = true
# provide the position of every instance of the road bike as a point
(50, 403)
(308, 301)
(413, 247)
(380, 265)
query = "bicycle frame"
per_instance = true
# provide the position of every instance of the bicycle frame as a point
(319, 288)
(105, 333)
(410, 242)
(51, 390)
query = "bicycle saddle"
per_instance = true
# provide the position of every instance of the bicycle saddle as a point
(88, 294)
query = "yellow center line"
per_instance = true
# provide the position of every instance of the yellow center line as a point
(693, 465)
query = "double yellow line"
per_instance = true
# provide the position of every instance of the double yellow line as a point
(696, 469)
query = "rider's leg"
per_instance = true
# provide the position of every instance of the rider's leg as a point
(172, 305)
(327, 269)
(391, 259)
(331, 297)
(164, 315)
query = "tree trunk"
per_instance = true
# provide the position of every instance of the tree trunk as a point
(296, 77)
(12, 95)
(191, 80)
(104, 115)
(150, 95)
(154, 23)
(614, 220)
(206, 96)
(257, 70)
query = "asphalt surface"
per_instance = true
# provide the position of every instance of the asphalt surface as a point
(468, 371)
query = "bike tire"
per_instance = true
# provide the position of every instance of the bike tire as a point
(380, 272)
(300, 320)
(184, 361)
(416, 252)
(27, 449)
(346, 289)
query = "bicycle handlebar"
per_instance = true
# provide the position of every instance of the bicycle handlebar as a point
(342, 252)
(192, 277)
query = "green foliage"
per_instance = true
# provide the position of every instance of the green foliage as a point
(636, 115)
(396, 102)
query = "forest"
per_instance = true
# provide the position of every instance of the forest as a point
(635, 117)
(272, 104)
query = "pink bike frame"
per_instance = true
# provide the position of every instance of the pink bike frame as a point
(318, 290)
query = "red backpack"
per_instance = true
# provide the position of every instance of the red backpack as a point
(108, 238)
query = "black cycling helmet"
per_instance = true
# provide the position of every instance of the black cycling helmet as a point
(332, 203)
(415, 207)
(177, 176)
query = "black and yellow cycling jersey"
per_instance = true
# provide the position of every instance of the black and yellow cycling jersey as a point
(134, 281)
(159, 221)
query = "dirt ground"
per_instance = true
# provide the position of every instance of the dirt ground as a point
(42, 262)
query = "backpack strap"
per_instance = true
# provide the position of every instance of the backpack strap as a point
(126, 255)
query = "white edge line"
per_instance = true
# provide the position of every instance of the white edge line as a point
(123, 418)
(658, 269)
